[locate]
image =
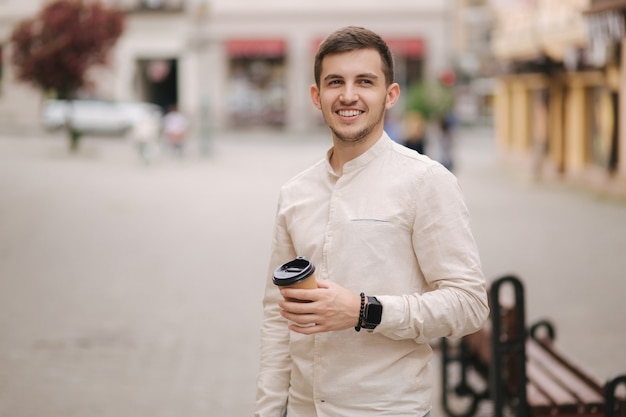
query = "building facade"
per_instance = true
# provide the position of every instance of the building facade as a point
(18, 102)
(236, 63)
(560, 103)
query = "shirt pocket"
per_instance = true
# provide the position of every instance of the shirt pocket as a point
(375, 242)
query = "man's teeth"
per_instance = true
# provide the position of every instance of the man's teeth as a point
(349, 113)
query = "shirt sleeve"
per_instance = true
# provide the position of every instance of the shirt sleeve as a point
(446, 252)
(275, 361)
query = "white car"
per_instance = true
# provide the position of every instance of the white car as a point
(98, 117)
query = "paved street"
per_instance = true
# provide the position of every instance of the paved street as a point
(129, 290)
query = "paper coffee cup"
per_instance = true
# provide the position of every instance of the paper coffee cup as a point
(298, 273)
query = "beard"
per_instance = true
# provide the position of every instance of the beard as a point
(348, 136)
(355, 137)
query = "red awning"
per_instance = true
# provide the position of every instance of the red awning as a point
(410, 47)
(256, 47)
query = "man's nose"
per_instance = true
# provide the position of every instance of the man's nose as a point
(349, 94)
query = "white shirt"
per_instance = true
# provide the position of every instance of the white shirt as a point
(394, 225)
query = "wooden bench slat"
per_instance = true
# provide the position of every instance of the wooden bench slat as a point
(557, 371)
(559, 397)
(575, 366)
(536, 398)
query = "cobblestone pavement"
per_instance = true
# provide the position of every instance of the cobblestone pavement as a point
(129, 290)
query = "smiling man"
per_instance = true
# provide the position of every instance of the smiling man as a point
(389, 234)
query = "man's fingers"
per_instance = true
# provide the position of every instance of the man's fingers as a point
(297, 316)
(305, 329)
(296, 294)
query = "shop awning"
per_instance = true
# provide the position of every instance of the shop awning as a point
(409, 47)
(255, 47)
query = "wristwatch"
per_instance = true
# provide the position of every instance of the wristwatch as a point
(373, 313)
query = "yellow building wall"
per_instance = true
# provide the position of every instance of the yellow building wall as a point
(520, 106)
(575, 127)
(556, 146)
(621, 146)
(501, 114)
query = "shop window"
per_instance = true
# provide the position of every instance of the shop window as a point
(414, 70)
(257, 91)
(257, 86)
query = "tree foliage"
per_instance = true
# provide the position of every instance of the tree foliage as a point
(431, 100)
(54, 49)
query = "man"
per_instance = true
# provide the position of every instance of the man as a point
(389, 234)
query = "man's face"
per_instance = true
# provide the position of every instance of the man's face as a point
(353, 96)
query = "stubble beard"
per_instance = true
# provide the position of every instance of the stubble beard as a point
(352, 138)
(347, 137)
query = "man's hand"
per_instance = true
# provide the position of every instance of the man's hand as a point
(328, 308)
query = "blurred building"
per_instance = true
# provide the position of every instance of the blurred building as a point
(474, 61)
(559, 103)
(18, 103)
(236, 63)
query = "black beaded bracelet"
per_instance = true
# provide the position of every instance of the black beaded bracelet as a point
(361, 313)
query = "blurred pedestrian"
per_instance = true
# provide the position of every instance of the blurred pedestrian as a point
(414, 132)
(393, 126)
(175, 127)
(447, 118)
(447, 127)
(144, 134)
(390, 238)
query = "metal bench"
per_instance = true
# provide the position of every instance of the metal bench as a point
(520, 370)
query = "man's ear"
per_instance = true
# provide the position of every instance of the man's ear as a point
(315, 96)
(393, 94)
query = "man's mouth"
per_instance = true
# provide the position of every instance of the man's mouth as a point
(349, 113)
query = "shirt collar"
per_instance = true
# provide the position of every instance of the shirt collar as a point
(377, 149)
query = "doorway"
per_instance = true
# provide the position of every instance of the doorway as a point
(157, 81)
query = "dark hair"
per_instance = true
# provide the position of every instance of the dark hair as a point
(353, 38)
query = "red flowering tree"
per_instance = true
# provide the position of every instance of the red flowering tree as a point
(54, 49)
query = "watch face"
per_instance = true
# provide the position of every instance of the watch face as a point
(373, 312)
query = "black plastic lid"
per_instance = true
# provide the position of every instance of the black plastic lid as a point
(293, 271)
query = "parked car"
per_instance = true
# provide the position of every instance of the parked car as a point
(97, 117)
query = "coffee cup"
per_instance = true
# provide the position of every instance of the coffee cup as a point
(297, 273)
